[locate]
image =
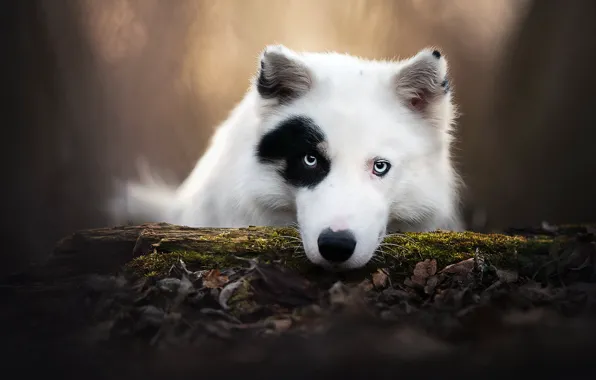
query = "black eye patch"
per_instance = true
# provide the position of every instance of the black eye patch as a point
(289, 142)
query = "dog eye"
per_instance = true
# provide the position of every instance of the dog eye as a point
(381, 167)
(310, 161)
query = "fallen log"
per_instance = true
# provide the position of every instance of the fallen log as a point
(150, 249)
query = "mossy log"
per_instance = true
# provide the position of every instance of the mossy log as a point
(151, 249)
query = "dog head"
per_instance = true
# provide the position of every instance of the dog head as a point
(359, 143)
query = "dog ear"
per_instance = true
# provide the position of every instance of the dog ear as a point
(422, 84)
(282, 76)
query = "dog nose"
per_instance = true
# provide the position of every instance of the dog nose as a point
(336, 246)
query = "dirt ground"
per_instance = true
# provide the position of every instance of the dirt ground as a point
(261, 319)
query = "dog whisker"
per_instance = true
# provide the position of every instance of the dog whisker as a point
(290, 237)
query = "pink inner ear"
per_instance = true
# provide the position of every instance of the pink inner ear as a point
(418, 102)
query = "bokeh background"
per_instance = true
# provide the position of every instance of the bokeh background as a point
(91, 85)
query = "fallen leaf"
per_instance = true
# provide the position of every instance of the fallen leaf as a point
(507, 276)
(462, 268)
(185, 284)
(431, 284)
(150, 316)
(310, 311)
(380, 278)
(339, 294)
(581, 257)
(393, 295)
(281, 324)
(227, 292)
(168, 284)
(535, 292)
(214, 279)
(549, 227)
(423, 271)
(366, 285)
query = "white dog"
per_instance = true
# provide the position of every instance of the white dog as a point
(346, 148)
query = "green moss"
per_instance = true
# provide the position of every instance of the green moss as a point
(232, 242)
(449, 247)
(399, 251)
(221, 251)
(158, 263)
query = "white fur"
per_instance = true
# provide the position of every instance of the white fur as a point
(361, 106)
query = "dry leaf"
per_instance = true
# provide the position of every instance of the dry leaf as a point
(462, 268)
(227, 292)
(366, 285)
(338, 293)
(549, 227)
(424, 270)
(507, 276)
(168, 284)
(380, 278)
(581, 257)
(431, 284)
(281, 324)
(538, 293)
(214, 279)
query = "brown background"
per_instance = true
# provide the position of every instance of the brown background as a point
(91, 85)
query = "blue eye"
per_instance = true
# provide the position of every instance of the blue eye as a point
(381, 167)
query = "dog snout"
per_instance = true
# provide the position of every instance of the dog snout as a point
(336, 246)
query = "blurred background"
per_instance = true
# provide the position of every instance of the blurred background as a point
(91, 85)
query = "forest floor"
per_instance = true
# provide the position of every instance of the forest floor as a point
(466, 319)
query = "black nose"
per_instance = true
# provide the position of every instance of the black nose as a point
(336, 246)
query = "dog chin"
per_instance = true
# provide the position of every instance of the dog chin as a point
(332, 267)
(349, 265)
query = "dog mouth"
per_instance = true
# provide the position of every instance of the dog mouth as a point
(354, 262)
(345, 266)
